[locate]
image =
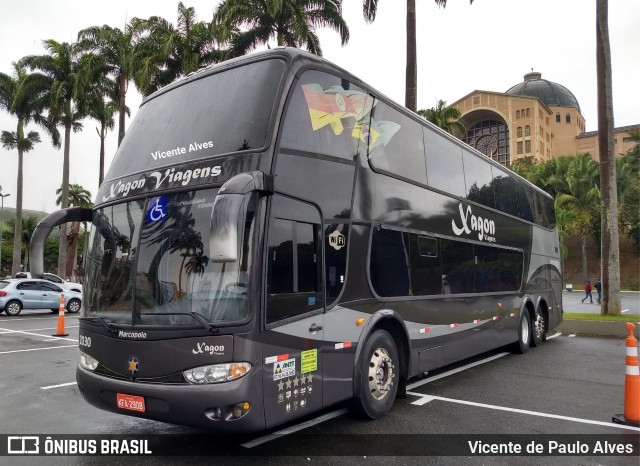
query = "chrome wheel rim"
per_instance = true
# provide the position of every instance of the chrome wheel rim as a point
(525, 331)
(74, 306)
(380, 373)
(13, 309)
(539, 325)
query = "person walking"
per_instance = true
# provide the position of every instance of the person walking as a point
(587, 292)
(598, 287)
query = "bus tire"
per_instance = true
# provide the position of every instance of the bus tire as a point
(524, 334)
(538, 333)
(379, 384)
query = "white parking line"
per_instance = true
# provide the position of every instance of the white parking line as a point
(8, 330)
(28, 319)
(59, 385)
(424, 399)
(38, 349)
(296, 428)
(454, 371)
(554, 336)
(40, 329)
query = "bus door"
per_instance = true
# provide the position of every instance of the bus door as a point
(294, 311)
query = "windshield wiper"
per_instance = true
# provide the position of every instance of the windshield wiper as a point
(108, 325)
(198, 317)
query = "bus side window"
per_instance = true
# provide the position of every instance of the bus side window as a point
(294, 266)
(444, 164)
(389, 265)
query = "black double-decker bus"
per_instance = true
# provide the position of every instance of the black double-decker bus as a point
(274, 236)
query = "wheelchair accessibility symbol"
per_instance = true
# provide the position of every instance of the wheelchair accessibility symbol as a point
(157, 209)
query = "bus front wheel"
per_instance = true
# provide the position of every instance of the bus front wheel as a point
(378, 381)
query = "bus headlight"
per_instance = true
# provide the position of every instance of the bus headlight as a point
(87, 362)
(217, 373)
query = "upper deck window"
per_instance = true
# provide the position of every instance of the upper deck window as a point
(224, 112)
(325, 116)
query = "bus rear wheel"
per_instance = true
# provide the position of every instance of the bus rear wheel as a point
(538, 333)
(378, 381)
(524, 334)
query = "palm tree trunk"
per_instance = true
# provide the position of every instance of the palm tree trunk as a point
(17, 235)
(610, 250)
(71, 248)
(121, 108)
(411, 82)
(101, 175)
(62, 252)
(585, 273)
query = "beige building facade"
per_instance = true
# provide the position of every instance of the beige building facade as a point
(535, 119)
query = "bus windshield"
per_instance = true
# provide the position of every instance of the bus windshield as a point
(219, 113)
(148, 262)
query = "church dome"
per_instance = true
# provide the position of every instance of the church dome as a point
(552, 94)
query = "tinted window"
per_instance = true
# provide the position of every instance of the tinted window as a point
(478, 180)
(487, 269)
(505, 191)
(551, 212)
(457, 267)
(52, 278)
(524, 204)
(294, 269)
(325, 116)
(3, 285)
(510, 270)
(389, 266)
(27, 286)
(396, 144)
(335, 259)
(426, 275)
(225, 112)
(50, 287)
(444, 164)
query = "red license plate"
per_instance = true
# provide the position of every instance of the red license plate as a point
(130, 402)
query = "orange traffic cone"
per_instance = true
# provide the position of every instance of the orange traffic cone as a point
(60, 329)
(631, 415)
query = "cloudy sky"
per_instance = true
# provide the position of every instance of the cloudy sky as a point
(489, 46)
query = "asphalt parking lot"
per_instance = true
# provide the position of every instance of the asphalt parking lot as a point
(566, 390)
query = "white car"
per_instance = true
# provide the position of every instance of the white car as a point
(71, 286)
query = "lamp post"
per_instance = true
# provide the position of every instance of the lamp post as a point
(2, 196)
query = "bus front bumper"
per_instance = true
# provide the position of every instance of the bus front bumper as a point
(209, 406)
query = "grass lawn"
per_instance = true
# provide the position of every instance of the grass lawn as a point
(586, 316)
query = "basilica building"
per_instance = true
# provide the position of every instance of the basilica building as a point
(535, 119)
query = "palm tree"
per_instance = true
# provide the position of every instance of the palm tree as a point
(609, 210)
(28, 227)
(24, 97)
(369, 9)
(446, 118)
(78, 197)
(169, 52)
(289, 22)
(583, 198)
(114, 53)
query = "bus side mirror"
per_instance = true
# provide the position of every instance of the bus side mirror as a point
(227, 210)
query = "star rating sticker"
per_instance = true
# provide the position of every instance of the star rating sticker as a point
(296, 381)
(280, 386)
(310, 378)
(288, 383)
(303, 379)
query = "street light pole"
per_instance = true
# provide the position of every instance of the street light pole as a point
(2, 196)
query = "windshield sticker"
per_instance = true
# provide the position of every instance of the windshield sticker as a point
(284, 369)
(157, 209)
(333, 105)
(155, 180)
(484, 227)
(181, 150)
(308, 361)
